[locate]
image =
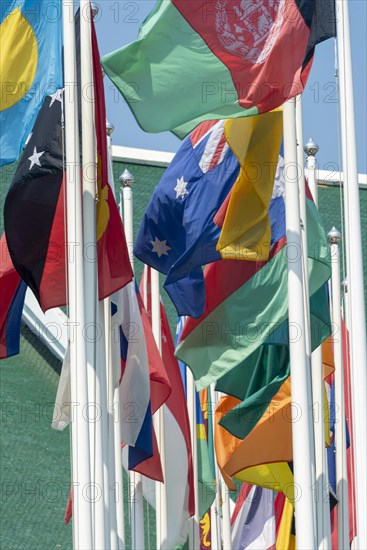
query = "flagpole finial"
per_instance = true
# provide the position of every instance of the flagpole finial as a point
(311, 148)
(334, 236)
(344, 285)
(109, 127)
(126, 179)
(95, 9)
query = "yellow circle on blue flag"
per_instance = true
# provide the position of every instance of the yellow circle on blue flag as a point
(19, 58)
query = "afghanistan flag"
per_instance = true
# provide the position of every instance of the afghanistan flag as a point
(196, 60)
(35, 205)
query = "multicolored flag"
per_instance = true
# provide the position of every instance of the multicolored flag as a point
(247, 302)
(179, 477)
(179, 232)
(12, 294)
(196, 60)
(253, 519)
(30, 68)
(34, 209)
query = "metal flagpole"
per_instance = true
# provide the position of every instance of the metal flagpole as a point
(215, 509)
(95, 356)
(194, 522)
(314, 374)
(301, 400)
(358, 340)
(81, 470)
(340, 431)
(137, 511)
(114, 412)
(321, 481)
(159, 424)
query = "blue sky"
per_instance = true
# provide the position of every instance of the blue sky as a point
(118, 24)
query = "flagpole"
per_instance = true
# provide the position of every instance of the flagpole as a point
(194, 522)
(301, 400)
(159, 424)
(215, 508)
(354, 251)
(321, 474)
(137, 511)
(93, 312)
(115, 410)
(81, 469)
(340, 431)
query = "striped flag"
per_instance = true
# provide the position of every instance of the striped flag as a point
(253, 519)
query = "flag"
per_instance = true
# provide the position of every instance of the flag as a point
(268, 443)
(256, 143)
(179, 477)
(179, 232)
(247, 302)
(34, 212)
(253, 519)
(195, 60)
(12, 294)
(285, 523)
(114, 269)
(206, 488)
(30, 68)
(134, 387)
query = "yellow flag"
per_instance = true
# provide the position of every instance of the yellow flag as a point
(285, 538)
(246, 227)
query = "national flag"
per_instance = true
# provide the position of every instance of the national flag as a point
(195, 60)
(269, 443)
(179, 232)
(30, 67)
(179, 478)
(285, 523)
(12, 294)
(256, 143)
(34, 211)
(206, 488)
(253, 519)
(134, 388)
(247, 302)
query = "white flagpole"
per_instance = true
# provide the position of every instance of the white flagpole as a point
(358, 340)
(114, 413)
(340, 431)
(159, 424)
(95, 355)
(321, 474)
(194, 522)
(81, 470)
(215, 509)
(301, 400)
(137, 511)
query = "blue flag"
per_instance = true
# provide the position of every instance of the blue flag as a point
(31, 68)
(177, 234)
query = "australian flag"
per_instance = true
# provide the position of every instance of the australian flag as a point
(177, 234)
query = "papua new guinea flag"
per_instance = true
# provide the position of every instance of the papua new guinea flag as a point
(34, 209)
(196, 60)
(30, 68)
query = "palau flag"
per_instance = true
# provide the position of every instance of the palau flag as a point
(30, 67)
(196, 60)
(12, 294)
